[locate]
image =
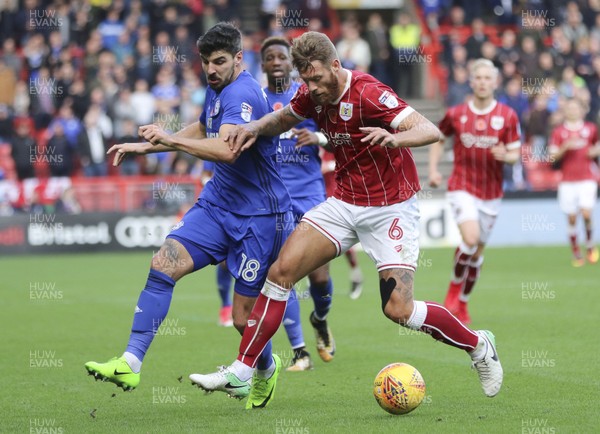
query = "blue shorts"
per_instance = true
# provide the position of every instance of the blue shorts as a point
(250, 244)
(301, 205)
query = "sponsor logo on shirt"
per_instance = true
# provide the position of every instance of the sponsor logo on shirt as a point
(246, 112)
(469, 140)
(388, 100)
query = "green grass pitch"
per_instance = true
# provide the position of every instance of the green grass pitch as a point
(63, 310)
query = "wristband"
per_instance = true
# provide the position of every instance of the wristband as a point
(322, 139)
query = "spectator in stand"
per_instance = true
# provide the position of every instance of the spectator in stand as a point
(122, 110)
(458, 88)
(514, 97)
(593, 84)
(528, 57)
(110, 29)
(508, 71)
(573, 27)
(353, 50)
(405, 37)
(477, 39)
(449, 43)
(546, 69)
(10, 57)
(144, 103)
(562, 49)
(377, 38)
(583, 58)
(67, 202)
(59, 154)
(131, 163)
(8, 80)
(537, 126)
(508, 51)
(124, 48)
(432, 9)
(22, 101)
(570, 83)
(70, 124)
(490, 52)
(166, 90)
(24, 148)
(144, 67)
(6, 123)
(92, 142)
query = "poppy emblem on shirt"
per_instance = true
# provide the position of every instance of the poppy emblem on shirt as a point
(346, 110)
(497, 122)
(277, 106)
(480, 124)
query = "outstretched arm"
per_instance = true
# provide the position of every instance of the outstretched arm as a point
(243, 136)
(211, 149)
(192, 131)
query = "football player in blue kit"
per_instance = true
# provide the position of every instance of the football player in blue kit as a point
(237, 217)
(301, 173)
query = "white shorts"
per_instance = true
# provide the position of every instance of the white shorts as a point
(388, 234)
(466, 207)
(576, 195)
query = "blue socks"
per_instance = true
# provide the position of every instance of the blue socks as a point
(321, 296)
(224, 278)
(291, 322)
(151, 310)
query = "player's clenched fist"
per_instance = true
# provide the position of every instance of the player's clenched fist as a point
(154, 134)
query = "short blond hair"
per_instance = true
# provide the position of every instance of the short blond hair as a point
(312, 46)
(482, 63)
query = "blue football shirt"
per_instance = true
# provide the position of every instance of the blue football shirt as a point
(252, 185)
(300, 168)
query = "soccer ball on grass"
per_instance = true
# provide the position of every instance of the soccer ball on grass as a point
(399, 388)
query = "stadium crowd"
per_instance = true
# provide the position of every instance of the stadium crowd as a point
(76, 77)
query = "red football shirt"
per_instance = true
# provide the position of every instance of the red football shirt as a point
(475, 132)
(576, 165)
(365, 175)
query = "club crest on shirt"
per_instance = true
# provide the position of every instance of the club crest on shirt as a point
(346, 110)
(480, 124)
(585, 132)
(388, 100)
(497, 122)
(246, 112)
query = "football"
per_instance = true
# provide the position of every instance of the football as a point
(399, 388)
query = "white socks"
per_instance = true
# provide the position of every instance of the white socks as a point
(134, 363)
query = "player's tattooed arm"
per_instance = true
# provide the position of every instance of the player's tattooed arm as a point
(243, 136)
